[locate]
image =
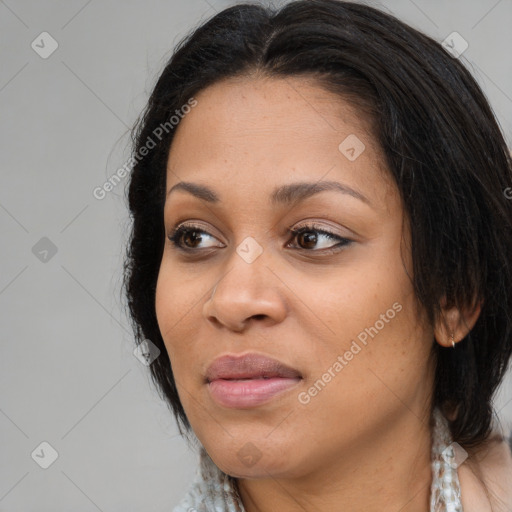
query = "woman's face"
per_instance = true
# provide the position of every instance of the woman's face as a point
(334, 304)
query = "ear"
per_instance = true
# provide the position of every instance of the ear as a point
(455, 322)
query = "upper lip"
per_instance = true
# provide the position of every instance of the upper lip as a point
(249, 366)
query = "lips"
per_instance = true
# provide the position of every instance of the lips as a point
(249, 366)
(250, 380)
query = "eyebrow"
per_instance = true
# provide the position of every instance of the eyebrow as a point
(284, 194)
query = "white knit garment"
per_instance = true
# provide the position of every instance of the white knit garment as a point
(214, 491)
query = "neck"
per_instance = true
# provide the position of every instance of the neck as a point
(386, 472)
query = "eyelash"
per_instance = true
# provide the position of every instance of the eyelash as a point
(175, 237)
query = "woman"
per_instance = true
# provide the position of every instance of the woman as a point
(321, 251)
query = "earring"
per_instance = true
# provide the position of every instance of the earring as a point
(453, 340)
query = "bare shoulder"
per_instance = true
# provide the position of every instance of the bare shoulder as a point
(491, 464)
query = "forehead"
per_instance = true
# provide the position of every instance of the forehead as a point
(251, 134)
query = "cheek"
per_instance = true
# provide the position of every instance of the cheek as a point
(167, 308)
(379, 355)
(367, 314)
(370, 290)
(177, 305)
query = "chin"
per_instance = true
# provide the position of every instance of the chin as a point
(257, 458)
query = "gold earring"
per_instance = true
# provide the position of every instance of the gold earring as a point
(453, 340)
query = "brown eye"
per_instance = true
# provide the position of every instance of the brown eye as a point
(309, 236)
(189, 237)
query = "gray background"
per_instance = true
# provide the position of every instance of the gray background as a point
(67, 372)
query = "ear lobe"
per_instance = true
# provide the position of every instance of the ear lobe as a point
(455, 324)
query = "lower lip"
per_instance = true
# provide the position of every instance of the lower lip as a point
(250, 392)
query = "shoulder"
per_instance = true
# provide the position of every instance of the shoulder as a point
(489, 464)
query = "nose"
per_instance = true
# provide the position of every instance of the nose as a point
(247, 292)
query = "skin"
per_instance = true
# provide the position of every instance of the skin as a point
(364, 439)
(488, 467)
